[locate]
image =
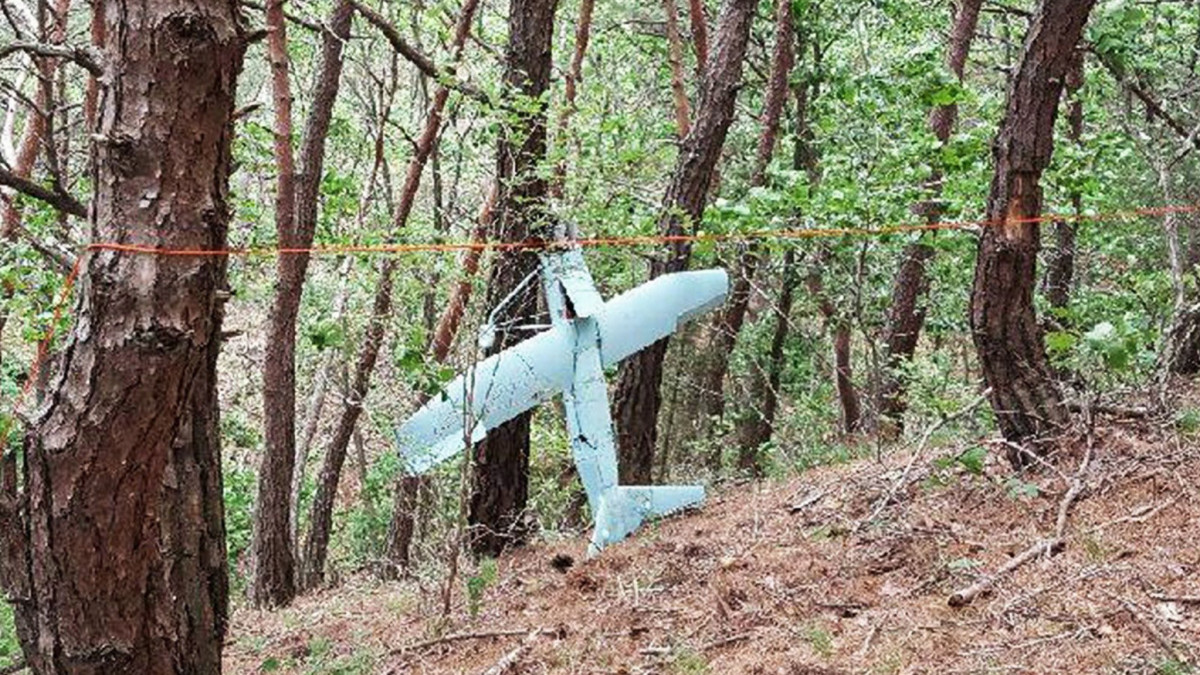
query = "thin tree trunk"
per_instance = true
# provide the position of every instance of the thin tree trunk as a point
(316, 544)
(316, 405)
(274, 582)
(1061, 274)
(112, 549)
(638, 397)
(1027, 402)
(583, 28)
(699, 35)
(758, 429)
(729, 323)
(500, 486)
(839, 327)
(683, 115)
(906, 314)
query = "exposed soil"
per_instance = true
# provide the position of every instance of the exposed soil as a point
(750, 584)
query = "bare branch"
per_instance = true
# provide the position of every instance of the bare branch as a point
(59, 199)
(83, 56)
(413, 55)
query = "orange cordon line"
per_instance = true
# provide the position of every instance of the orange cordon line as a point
(631, 241)
(542, 245)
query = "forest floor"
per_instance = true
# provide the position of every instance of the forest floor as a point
(789, 577)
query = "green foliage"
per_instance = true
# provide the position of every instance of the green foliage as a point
(239, 484)
(10, 650)
(478, 583)
(685, 661)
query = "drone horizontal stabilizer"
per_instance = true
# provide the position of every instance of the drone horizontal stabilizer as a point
(623, 509)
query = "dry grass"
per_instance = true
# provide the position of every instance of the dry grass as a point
(746, 585)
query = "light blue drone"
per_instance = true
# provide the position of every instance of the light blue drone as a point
(586, 335)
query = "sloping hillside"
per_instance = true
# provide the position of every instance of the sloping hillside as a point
(784, 577)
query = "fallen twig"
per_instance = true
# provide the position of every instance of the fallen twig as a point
(1151, 630)
(920, 450)
(808, 501)
(1050, 546)
(506, 664)
(1181, 599)
(459, 637)
(725, 641)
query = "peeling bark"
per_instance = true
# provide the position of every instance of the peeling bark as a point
(114, 554)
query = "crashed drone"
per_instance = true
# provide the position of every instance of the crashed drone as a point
(585, 336)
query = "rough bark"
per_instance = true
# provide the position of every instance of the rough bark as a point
(113, 553)
(1061, 273)
(679, 97)
(699, 35)
(1004, 325)
(638, 397)
(906, 314)
(274, 582)
(729, 322)
(316, 544)
(500, 479)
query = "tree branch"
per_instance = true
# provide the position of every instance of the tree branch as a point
(83, 56)
(59, 199)
(413, 55)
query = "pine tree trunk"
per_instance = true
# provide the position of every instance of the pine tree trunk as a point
(114, 553)
(272, 548)
(1008, 339)
(729, 323)
(316, 545)
(906, 316)
(500, 487)
(638, 399)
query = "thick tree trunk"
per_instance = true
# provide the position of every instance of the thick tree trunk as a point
(274, 582)
(316, 544)
(906, 316)
(1062, 265)
(638, 399)
(759, 428)
(1007, 336)
(728, 325)
(500, 487)
(114, 553)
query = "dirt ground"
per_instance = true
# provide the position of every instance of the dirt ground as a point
(789, 578)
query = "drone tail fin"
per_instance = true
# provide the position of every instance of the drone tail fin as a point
(624, 508)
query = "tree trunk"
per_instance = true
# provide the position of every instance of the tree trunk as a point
(500, 487)
(583, 31)
(728, 325)
(1062, 265)
(906, 316)
(839, 327)
(638, 398)
(1007, 336)
(274, 582)
(114, 553)
(316, 544)
(758, 429)
(699, 35)
(320, 525)
(683, 115)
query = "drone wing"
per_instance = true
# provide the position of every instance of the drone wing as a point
(644, 315)
(498, 389)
